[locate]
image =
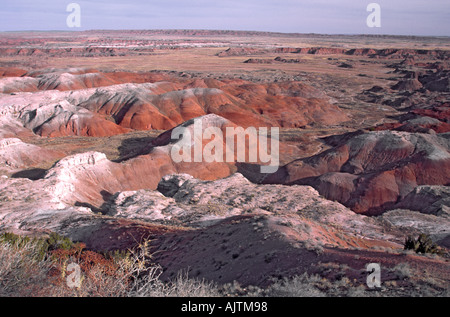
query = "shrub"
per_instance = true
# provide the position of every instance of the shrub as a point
(22, 270)
(38, 267)
(42, 245)
(56, 241)
(298, 286)
(423, 244)
(181, 286)
(402, 271)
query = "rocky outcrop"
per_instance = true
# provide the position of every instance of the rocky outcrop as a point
(389, 53)
(408, 85)
(287, 60)
(12, 72)
(259, 61)
(428, 199)
(438, 227)
(272, 61)
(372, 171)
(15, 84)
(238, 51)
(72, 79)
(64, 119)
(16, 155)
(436, 81)
(419, 124)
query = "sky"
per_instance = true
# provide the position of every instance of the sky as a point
(397, 17)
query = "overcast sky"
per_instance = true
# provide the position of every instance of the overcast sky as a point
(399, 17)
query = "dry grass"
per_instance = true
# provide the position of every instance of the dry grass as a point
(23, 273)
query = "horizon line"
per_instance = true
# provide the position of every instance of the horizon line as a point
(230, 30)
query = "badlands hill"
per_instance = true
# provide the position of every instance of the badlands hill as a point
(70, 102)
(372, 171)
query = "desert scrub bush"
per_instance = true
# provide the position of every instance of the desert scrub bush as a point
(316, 286)
(184, 286)
(132, 274)
(144, 278)
(22, 271)
(150, 285)
(111, 274)
(235, 289)
(423, 244)
(298, 286)
(402, 271)
(42, 245)
(32, 266)
(56, 241)
(315, 247)
(25, 272)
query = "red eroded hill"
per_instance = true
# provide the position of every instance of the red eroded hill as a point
(11, 72)
(145, 101)
(93, 177)
(15, 154)
(87, 125)
(371, 171)
(244, 103)
(17, 80)
(422, 119)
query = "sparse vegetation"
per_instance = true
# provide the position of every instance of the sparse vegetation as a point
(25, 272)
(41, 245)
(402, 271)
(39, 267)
(299, 286)
(22, 273)
(423, 244)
